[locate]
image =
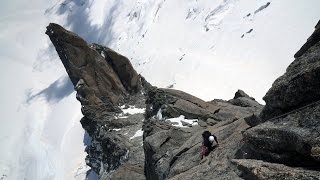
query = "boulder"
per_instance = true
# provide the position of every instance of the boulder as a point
(174, 103)
(240, 93)
(245, 102)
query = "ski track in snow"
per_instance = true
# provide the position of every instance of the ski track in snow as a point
(194, 46)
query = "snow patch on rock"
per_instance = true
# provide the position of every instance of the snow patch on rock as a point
(132, 110)
(178, 121)
(137, 134)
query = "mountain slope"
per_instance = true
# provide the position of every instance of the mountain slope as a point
(183, 41)
(277, 141)
(168, 43)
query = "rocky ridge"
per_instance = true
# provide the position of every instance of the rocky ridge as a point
(280, 140)
(107, 86)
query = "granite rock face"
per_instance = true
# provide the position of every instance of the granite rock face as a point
(292, 139)
(312, 40)
(175, 152)
(299, 85)
(256, 169)
(104, 80)
(287, 129)
(284, 144)
(244, 100)
(123, 68)
(95, 80)
(280, 140)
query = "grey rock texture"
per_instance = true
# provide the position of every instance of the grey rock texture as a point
(312, 40)
(99, 84)
(174, 103)
(284, 144)
(299, 85)
(287, 129)
(122, 66)
(255, 169)
(175, 153)
(280, 140)
(104, 80)
(240, 93)
(292, 139)
(244, 100)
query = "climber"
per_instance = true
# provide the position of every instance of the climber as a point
(208, 139)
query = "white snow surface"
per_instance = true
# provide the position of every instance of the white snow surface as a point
(132, 110)
(178, 121)
(159, 114)
(156, 34)
(194, 45)
(137, 134)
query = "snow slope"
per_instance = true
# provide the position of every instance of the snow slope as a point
(212, 44)
(206, 48)
(199, 42)
(40, 133)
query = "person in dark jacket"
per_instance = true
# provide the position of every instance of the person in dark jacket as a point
(208, 139)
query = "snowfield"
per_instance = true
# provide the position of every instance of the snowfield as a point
(209, 48)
